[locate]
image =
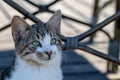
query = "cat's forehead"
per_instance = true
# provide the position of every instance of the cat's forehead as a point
(39, 27)
(38, 31)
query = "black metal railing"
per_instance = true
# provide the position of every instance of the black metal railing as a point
(74, 42)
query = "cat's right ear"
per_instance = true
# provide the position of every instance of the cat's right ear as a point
(19, 28)
(55, 21)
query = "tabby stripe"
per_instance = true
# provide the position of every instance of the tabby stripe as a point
(24, 48)
(27, 53)
(37, 36)
(39, 32)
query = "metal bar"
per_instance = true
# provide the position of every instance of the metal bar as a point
(95, 13)
(32, 3)
(3, 28)
(108, 35)
(27, 14)
(8, 25)
(85, 48)
(53, 3)
(94, 18)
(54, 12)
(38, 21)
(99, 54)
(23, 11)
(102, 25)
(115, 44)
(99, 26)
(106, 4)
(42, 8)
(63, 38)
(113, 50)
(65, 17)
(62, 15)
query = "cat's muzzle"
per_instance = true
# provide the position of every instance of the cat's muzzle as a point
(48, 53)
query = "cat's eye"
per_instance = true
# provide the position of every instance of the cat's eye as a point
(36, 43)
(53, 41)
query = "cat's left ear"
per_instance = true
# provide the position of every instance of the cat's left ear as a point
(19, 28)
(55, 21)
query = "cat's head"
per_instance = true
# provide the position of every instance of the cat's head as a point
(38, 43)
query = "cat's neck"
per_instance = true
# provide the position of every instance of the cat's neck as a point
(50, 71)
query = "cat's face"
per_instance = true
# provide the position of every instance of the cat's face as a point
(38, 43)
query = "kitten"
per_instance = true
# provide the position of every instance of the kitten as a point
(38, 50)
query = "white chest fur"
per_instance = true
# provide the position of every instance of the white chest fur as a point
(45, 72)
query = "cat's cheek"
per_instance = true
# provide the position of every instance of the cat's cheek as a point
(33, 58)
(28, 57)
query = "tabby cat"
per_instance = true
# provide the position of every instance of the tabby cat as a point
(38, 50)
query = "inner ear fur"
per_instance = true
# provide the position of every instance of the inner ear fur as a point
(19, 27)
(55, 21)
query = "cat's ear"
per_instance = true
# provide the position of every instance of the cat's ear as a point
(19, 28)
(55, 21)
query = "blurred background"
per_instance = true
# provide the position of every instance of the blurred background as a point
(78, 15)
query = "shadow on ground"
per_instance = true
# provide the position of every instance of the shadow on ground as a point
(74, 67)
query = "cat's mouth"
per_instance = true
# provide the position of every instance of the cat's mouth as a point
(45, 55)
(44, 58)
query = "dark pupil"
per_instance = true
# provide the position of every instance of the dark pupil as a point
(53, 41)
